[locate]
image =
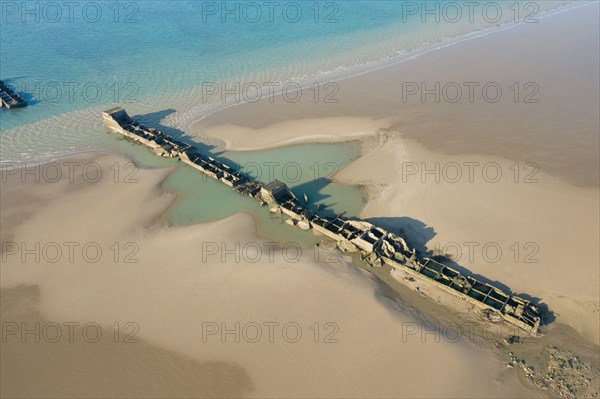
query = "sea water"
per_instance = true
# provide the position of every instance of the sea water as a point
(157, 59)
(70, 62)
(310, 177)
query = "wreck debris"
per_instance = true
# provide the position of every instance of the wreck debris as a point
(375, 245)
(9, 99)
(562, 372)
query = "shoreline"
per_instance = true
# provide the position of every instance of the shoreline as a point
(356, 174)
(399, 303)
(539, 132)
(386, 63)
(219, 273)
(390, 62)
(370, 173)
(98, 290)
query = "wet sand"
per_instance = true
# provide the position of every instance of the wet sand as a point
(542, 213)
(559, 55)
(172, 294)
(131, 367)
(536, 235)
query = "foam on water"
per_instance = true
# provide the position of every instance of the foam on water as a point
(161, 61)
(156, 68)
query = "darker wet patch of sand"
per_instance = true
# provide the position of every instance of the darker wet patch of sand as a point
(82, 369)
(558, 131)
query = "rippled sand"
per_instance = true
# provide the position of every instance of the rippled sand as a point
(361, 349)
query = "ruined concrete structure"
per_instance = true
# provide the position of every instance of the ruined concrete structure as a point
(375, 245)
(9, 99)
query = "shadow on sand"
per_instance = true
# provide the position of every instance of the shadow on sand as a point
(416, 233)
(154, 120)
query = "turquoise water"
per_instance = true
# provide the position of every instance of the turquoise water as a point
(168, 47)
(307, 169)
(202, 199)
(154, 58)
(156, 55)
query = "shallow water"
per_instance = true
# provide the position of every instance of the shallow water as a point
(202, 199)
(155, 59)
(157, 55)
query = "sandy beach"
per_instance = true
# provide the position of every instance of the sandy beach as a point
(557, 127)
(361, 351)
(547, 187)
(504, 190)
